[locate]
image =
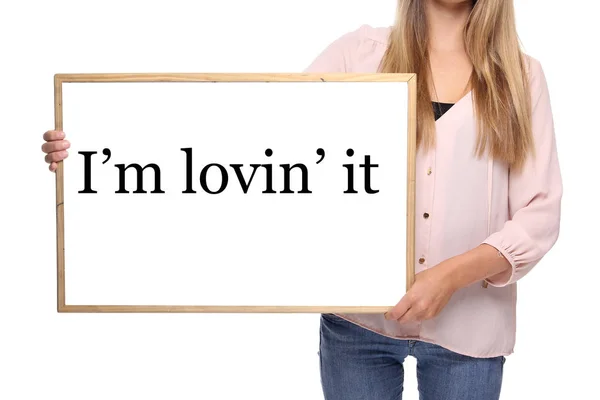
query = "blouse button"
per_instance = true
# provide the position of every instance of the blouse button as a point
(426, 215)
(429, 171)
(421, 260)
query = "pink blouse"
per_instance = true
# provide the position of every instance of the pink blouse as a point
(469, 201)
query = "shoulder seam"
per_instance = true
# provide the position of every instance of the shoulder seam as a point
(376, 34)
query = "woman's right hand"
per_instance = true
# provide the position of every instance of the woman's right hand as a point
(55, 148)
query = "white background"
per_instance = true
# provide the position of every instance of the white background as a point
(47, 355)
(324, 248)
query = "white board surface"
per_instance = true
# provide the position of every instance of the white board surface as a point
(325, 248)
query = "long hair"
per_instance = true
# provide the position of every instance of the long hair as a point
(499, 82)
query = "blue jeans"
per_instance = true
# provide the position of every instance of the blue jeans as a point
(358, 364)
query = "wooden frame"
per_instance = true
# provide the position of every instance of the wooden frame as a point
(59, 79)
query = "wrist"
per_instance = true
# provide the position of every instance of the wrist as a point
(451, 274)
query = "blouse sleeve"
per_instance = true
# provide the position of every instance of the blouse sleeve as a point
(337, 56)
(534, 194)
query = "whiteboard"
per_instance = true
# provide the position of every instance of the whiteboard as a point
(225, 225)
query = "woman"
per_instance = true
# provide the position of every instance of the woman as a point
(488, 201)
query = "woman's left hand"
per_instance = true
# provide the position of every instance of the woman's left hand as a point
(428, 295)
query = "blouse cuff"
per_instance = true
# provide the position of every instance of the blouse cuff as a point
(511, 275)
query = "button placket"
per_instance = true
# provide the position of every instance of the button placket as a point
(426, 215)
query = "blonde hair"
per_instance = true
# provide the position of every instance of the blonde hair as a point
(499, 82)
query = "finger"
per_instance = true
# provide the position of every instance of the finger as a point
(53, 166)
(56, 156)
(54, 135)
(400, 308)
(50, 147)
(410, 316)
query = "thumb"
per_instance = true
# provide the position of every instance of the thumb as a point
(399, 309)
